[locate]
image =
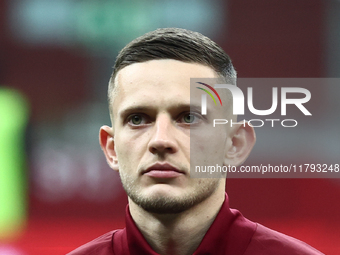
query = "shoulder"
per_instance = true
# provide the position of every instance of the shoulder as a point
(267, 241)
(99, 246)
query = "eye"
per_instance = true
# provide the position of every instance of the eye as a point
(190, 118)
(136, 119)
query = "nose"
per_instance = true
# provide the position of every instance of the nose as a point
(163, 136)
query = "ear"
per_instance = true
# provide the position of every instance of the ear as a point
(107, 143)
(240, 144)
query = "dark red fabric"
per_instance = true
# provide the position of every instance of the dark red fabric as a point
(230, 234)
(99, 246)
(267, 241)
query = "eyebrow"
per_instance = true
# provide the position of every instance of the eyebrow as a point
(133, 109)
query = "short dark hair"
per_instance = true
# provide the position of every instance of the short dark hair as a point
(173, 43)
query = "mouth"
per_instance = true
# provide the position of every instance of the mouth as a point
(163, 170)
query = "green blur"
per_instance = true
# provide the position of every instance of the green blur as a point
(14, 112)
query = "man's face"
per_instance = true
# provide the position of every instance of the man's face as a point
(152, 129)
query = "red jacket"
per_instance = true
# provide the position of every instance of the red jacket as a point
(230, 233)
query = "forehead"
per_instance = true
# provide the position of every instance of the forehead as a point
(157, 82)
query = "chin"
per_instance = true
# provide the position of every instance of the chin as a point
(165, 204)
(164, 190)
(162, 199)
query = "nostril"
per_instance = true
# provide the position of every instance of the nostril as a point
(159, 147)
(162, 146)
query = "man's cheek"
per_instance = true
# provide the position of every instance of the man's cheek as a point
(198, 151)
(208, 149)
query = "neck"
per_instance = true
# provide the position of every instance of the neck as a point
(181, 233)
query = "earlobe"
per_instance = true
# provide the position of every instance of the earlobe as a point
(106, 141)
(241, 142)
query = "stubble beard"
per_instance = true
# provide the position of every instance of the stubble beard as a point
(168, 204)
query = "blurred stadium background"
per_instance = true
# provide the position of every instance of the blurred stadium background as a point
(56, 191)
